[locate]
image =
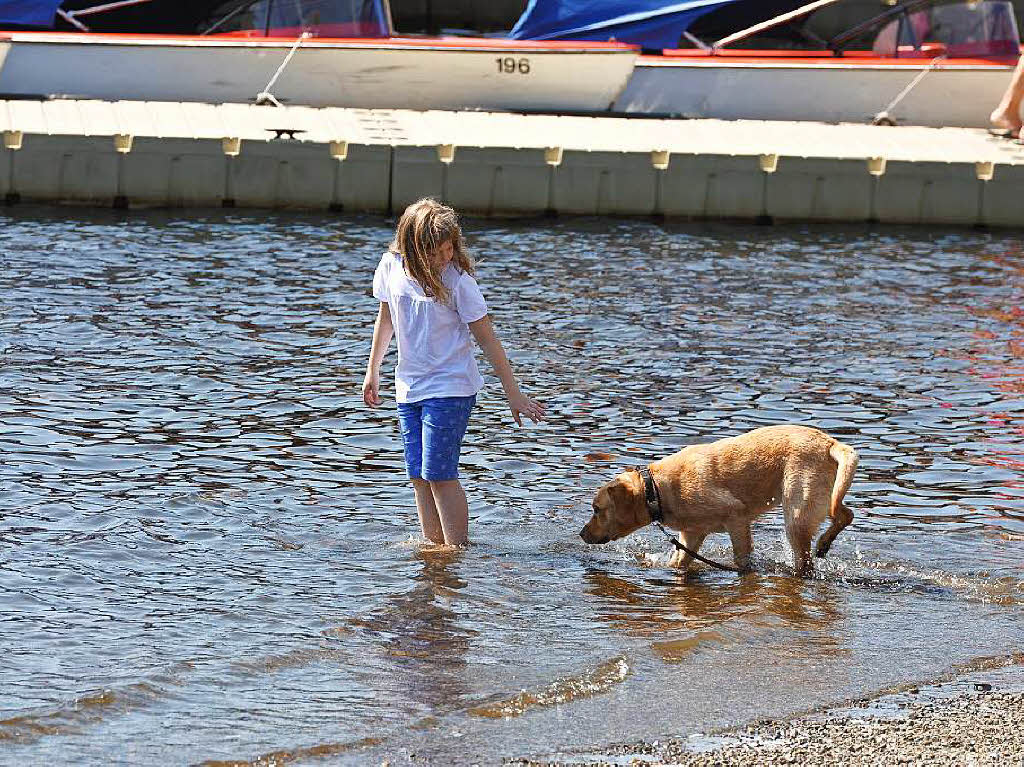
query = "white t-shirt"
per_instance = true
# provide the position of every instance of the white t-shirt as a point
(435, 349)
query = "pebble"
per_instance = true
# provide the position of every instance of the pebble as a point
(982, 729)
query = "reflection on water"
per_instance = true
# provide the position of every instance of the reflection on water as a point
(205, 539)
(419, 632)
(646, 611)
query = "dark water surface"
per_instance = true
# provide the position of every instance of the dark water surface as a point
(208, 548)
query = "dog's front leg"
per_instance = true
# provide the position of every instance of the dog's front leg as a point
(742, 543)
(691, 540)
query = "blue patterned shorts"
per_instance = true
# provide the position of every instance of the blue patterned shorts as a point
(432, 431)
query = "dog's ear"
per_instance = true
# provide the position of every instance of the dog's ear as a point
(619, 510)
(621, 492)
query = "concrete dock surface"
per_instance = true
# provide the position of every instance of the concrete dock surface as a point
(496, 164)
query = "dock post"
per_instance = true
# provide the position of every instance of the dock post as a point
(122, 145)
(924, 201)
(446, 155)
(984, 171)
(232, 147)
(768, 163)
(876, 167)
(391, 181)
(709, 188)
(339, 151)
(553, 157)
(496, 180)
(660, 159)
(12, 143)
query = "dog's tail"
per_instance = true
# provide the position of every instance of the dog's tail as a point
(846, 458)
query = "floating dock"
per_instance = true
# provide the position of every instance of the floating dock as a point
(127, 154)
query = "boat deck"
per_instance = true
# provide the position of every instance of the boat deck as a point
(188, 154)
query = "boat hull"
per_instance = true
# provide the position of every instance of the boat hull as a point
(953, 93)
(371, 74)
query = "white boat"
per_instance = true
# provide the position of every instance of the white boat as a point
(919, 62)
(290, 58)
(754, 87)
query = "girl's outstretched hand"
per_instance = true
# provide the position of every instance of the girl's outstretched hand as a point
(521, 405)
(371, 387)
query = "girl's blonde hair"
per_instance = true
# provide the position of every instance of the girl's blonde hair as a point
(424, 227)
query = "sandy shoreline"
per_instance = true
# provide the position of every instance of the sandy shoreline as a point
(963, 722)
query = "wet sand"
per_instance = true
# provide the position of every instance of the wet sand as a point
(958, 723)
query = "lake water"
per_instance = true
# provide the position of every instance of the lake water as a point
(208, 548)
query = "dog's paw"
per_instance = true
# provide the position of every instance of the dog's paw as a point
(675, 560)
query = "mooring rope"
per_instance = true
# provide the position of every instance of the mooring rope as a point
(883, 118)
(265, 96)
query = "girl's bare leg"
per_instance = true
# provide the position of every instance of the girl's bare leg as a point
(453, 510)
(430, 523)
(1007, 114)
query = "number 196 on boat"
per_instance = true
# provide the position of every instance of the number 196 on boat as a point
(509, 65)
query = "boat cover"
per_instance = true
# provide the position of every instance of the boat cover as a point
(648, 23)
(28, 13)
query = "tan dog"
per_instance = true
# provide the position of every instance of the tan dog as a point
(724, 485)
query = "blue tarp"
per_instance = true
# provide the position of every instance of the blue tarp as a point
(649, 23)
(28, 13)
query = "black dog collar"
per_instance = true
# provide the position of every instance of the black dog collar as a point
(652, 496)
(652, 499)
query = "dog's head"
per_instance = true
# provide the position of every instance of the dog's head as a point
(619, 509)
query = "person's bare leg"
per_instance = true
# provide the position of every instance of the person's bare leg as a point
(1007, 114)
(430, 523)
(453, 510)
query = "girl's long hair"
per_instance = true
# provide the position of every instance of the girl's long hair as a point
(424, 227)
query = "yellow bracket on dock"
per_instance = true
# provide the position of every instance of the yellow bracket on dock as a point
(13, 139)
(339, 150)
(446, 153)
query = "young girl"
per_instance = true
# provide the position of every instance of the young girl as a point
(431, 303)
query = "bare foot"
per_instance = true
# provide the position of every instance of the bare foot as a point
(1005, 119)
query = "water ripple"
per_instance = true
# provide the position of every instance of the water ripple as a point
(190, 482)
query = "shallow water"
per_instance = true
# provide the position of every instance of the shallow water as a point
(208, 550)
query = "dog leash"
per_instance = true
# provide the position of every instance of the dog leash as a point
(652, 498)
(675, 542)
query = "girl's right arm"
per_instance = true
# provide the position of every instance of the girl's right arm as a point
(383, 330)
(518, 403)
